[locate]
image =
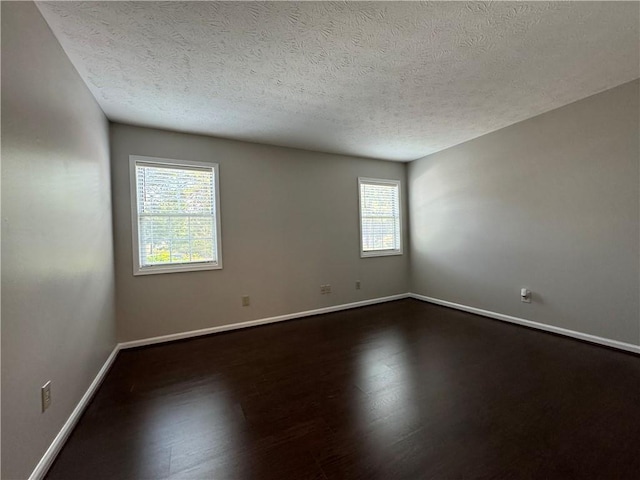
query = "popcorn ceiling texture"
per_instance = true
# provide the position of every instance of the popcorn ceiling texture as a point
(395, 80)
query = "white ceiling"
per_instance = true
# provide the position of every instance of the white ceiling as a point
(395, 80)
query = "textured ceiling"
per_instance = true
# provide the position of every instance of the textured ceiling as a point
(395, 80)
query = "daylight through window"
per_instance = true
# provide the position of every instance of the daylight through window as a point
(176, 215)
(380, 222)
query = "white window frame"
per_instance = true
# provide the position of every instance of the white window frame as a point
(135, 233)
(379, 253)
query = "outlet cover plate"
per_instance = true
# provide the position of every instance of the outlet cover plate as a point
(45, 393)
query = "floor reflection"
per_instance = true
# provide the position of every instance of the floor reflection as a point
(198, 423)
(384, 373)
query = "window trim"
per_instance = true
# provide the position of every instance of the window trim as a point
(135, 233)
(387, 182)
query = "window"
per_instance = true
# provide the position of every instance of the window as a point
(380, 221)
(175, 215)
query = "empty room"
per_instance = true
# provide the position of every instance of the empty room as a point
(320, 240)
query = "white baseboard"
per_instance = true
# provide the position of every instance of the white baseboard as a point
(528, 323)
(52, 452)
(260, 321)
(50, 455)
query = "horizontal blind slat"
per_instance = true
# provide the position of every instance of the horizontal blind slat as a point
(176, 214)
(380, 216)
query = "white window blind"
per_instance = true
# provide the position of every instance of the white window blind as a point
(177, 215)
(380, 223)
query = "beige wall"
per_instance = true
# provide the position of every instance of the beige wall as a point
(57, 261)
(289, 224)
(551, 204)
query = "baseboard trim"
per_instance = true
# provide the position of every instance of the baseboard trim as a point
(253, 323)
(528, 323)
(58, 442)
(52, 452)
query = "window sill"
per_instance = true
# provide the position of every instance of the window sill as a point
(194, 267)
(380, 253)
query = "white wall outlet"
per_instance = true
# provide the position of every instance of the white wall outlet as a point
(246, 301)
(525, 295)
(357, 284)
(45, 395)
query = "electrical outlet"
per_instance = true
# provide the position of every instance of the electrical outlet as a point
(45, 393)
(357, 284)
(246, 301)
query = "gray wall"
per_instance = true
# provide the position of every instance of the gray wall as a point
(289, 224)
(57, 260)
(551, 204)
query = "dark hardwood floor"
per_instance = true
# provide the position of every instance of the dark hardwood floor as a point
(402, 390)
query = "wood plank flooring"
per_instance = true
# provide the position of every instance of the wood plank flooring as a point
(401, 390)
